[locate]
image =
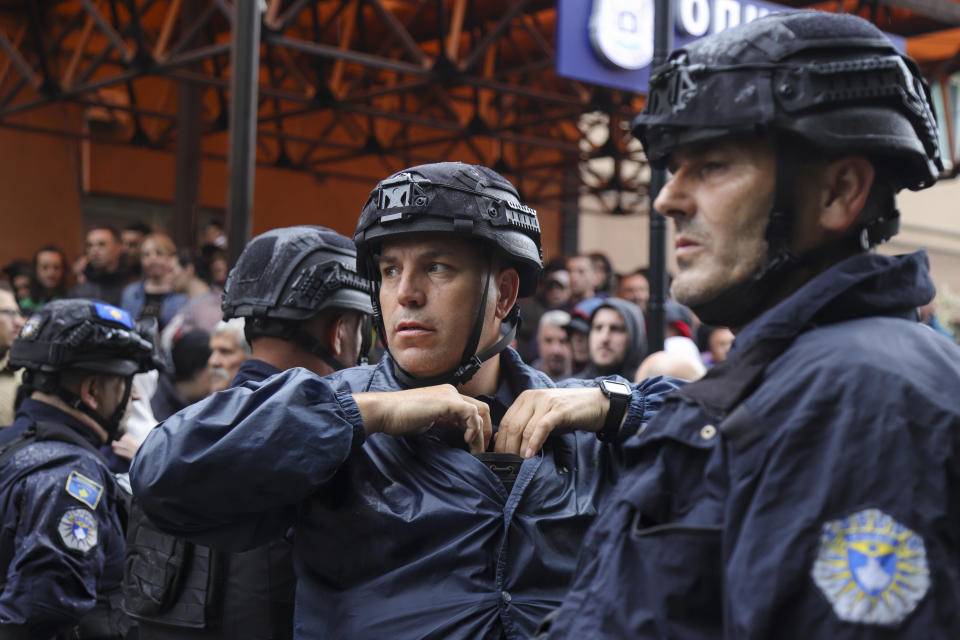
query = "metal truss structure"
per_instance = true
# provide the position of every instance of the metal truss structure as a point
(339, 80)
(402, 81)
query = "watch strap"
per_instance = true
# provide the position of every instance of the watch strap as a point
(618, 407)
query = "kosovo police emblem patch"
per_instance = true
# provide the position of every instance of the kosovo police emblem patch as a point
(78, 530)
(871, 568)
(31, 325)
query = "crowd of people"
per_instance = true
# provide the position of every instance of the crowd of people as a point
(586, 320)
(342, 438)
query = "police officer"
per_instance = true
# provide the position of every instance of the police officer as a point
(304, 306)
(806, 487)
(61, 542)
(405, 524)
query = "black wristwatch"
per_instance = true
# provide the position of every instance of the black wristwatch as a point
(619, 394)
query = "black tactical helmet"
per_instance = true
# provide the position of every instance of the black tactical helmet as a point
(288, 275)
(833, 80)
(464, 200)
(83, 335)
(294, 273)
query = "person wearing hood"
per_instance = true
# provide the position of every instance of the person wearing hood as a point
(617, 340)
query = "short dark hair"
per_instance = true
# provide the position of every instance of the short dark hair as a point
(106, 227)
(190, 353)
(139, 227)
(186, 257)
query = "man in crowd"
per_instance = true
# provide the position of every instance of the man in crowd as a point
(304, 305)
(578, 330)
(636, 288)
(103, 277)
(617, 340)
(190, 379)
(10, 323)
(582, 279)
(806, 487)
(553, 293)
(61, 542)
(553, 345)
(405, 525)
(130, 238)
(604, 279)
(228, 350)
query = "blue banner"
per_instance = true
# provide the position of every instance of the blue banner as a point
(610, 42)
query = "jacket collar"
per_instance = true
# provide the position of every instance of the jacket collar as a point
(863, 285)
(512, 368)
(867, 284)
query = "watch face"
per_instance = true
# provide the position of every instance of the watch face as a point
(616, 388)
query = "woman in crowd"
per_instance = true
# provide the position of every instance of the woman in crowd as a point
(154, 295)
(185, 278)
(48, 278)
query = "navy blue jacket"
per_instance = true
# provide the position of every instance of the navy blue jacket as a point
(395, 537)
(61, 542)
(824, 505)
(251, 594)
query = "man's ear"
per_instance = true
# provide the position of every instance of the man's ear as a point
(344, 325)
(846, 185)
(91, 391)
(508, 286)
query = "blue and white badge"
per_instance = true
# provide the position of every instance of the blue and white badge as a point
(871, 568)
(622, 32)
(78, 529)
(84, 489)
(31, 326)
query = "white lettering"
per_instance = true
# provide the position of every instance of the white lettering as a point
(726, 14)
(694, 17)
(697, 17)
(751, 12)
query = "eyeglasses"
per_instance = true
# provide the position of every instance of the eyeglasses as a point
(11, 313)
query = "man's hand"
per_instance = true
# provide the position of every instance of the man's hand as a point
(125, 447)
(536, 413)
(400, 413)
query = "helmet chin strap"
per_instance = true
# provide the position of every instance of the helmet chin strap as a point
(110, 424)
(741, 303)
(470, 361)
(316, 348)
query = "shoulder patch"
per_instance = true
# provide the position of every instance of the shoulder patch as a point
(871, 568)
(31, 326)
(84, 489)
(78, 529)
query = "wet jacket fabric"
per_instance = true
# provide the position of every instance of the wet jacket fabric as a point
(395, 537)
(205, 593)
(636, 338)
(805, 488)
(61, 542)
